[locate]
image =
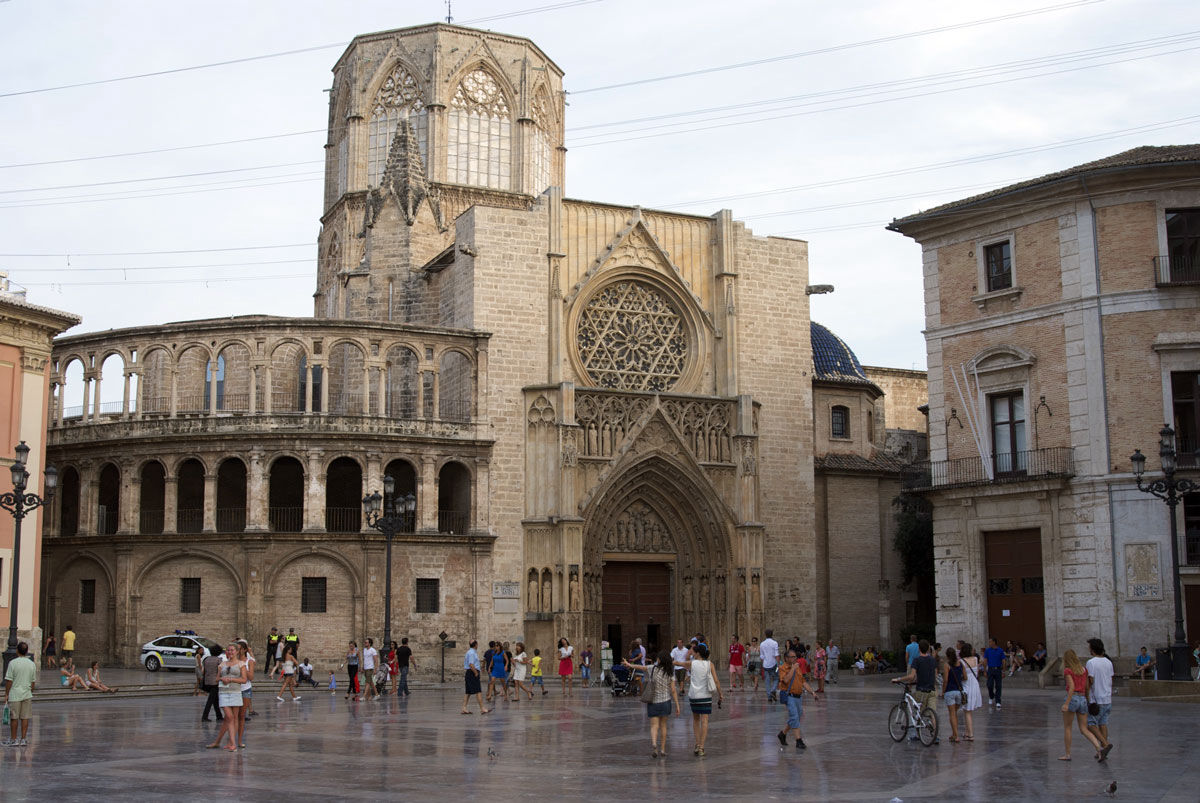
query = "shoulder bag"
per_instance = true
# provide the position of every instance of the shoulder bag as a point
(648, 688)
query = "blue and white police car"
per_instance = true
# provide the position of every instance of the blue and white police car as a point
(177, 651)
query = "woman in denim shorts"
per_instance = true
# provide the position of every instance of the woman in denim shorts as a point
(953, 693)
(1076, 705)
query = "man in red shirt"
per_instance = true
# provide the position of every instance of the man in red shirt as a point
(737, 664)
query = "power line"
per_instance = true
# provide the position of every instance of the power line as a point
(934, 79)
(297, 51)
(152, 192)
(162, 150)
(84, 269)
(93, 200)
(157, 253)
(1106, 135)
(163, 178)
(205, 280)
(847, 46)
(620, 139)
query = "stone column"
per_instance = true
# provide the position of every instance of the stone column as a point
(252, 408)
(170, 504)
(308, 388)
(482, 489)
(139, 400)
(86, 414)
(257, 494)
(269, 401)
(366, 389)
(129, 493)
(210, 501)
(58, 412)
(174, 392)
(96, 410)
(380, 380)
(88, 498)
(314, 499)
(125, 396)
(211, 370)
(373, 480)
(124, 617)
(324, 390)
(427, 501)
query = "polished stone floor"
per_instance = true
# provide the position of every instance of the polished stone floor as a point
(592, 745)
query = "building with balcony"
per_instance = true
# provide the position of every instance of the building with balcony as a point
(1063, 329)
(26, 332)
(603, 412)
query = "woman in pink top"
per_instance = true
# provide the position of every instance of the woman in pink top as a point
(1076, 704)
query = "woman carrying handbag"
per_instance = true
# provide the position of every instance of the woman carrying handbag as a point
(700, 693)
(658, 693)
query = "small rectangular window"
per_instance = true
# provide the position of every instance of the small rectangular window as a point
(312, 595)
(189, 595)
(839, 422)
(87, 596)
(428, 596)
(998, 261)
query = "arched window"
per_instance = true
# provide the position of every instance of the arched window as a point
(285, 496)
(456, 387)
(839, 422)
(399, 98)
(68, 493)
(454, 498)
(343, 496)
(109, 493)
(151, 498)
(540, 147)
(231, 496)
(189, 488)
(479, 146)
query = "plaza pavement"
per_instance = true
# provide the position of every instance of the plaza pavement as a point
(593, 746)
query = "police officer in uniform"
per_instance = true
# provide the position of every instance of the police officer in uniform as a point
(272, 644)
(292, 642)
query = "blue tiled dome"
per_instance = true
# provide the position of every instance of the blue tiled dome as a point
(833, 361)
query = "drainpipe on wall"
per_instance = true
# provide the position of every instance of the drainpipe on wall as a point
(1112, 531)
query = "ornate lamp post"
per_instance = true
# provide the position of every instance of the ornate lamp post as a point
(20, 504)
(389, 515)
(1169, 489)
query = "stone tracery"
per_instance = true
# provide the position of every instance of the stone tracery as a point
(630, 336)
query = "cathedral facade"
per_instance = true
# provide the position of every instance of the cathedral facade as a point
(603, 414)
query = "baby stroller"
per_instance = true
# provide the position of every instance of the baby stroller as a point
(622, 681)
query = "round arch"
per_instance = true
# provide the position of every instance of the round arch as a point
(272, 574)
(175, 554)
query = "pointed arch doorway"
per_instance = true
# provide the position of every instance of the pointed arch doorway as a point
(658, 542)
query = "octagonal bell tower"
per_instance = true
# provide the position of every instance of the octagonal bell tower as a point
(425, 122)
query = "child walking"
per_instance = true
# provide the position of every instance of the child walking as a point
(535, 671)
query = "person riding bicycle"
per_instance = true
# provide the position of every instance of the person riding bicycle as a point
(922, 671)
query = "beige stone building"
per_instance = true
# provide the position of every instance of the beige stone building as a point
(1063, 329)
(26, 332)
(603, 412)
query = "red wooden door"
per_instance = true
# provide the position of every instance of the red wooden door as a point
(1016, 610)
(637, 604)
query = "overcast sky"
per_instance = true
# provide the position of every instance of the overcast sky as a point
(859, 112)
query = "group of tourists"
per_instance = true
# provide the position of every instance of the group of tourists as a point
(507, 666)
(954, 675)
(369, 673)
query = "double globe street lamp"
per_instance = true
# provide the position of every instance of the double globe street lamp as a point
(1169, 489)
(20, 504)
(389, 515)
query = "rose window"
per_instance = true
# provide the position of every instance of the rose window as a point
(631, 337)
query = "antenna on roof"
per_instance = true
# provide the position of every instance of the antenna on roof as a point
(449, 15)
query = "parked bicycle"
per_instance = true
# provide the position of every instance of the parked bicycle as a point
(907, 715)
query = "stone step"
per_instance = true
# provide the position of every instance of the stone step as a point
(59, 693)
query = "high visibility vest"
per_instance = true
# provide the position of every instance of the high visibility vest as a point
(291, 638)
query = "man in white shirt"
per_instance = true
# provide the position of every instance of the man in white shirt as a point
(769, 652)
(1100, 677)
(832, 654)
(679, 653)
(370, 656)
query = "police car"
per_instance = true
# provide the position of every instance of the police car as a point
(177, 651)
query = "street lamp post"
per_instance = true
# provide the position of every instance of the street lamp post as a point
(389, 515)
(1169, 489)
(20, 504)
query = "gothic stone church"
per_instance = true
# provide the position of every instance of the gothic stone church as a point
(609, 417)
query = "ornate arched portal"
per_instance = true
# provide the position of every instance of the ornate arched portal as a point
(658, 558)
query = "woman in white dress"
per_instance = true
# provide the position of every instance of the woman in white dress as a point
(231, 676)
(971, 684)
(521, 671)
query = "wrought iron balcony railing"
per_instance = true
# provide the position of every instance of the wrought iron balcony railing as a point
(1177, 270)
(1005, 468)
